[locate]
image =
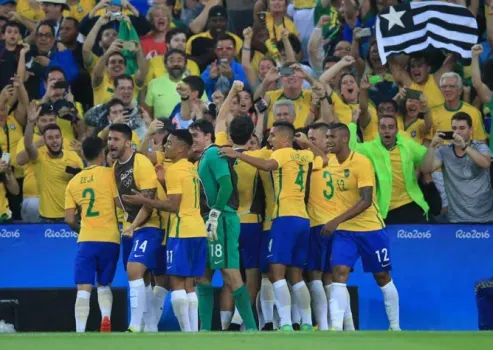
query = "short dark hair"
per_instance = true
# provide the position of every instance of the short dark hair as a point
(389, 100)
(330, 59)
(285, 126)
(338, 126)
(224, 37)
(46, 23)
(293, 40)
(463, 116)
(345, 75)
(11, 24)
(76, 22)
(54, 69)
(270, 59)
(204, 126)
(113, 102)
(183, 135)
(92, 147)
(241, 130)
(51, 127)
(123, 129)
(172, 32)
(318, 126)
(196, 84)
(174, 51)
(117, 53)
(121, 77)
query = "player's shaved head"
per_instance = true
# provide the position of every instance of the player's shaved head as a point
(323, 127)
(285, 129)
(241, 130)
(183, 136)
(92, 147)
(339, 128)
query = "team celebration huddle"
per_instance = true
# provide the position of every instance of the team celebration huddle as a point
(295, 216)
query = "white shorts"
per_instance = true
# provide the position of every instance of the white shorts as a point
(30, 210)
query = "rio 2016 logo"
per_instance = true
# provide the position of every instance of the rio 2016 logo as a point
(473, 234)
(4, 233)
(49, 233)
(413, 234)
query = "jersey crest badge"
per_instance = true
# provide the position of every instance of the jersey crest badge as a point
(346, 173)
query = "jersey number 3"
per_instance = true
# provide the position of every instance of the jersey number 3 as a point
(330, 186)
(92, 197)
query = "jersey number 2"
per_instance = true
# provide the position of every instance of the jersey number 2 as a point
(90, 192)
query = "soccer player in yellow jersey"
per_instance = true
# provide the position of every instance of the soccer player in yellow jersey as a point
(358, 229)
(290, 232)
(134, 172)
(92, 193)
(53, 166)
(186, 249)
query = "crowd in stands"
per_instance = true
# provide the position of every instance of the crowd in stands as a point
(422, 119)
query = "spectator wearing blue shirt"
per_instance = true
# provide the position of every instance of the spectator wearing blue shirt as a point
(221, 73)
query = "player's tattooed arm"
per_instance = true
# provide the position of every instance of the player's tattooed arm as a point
(150, 193)
(366, 194)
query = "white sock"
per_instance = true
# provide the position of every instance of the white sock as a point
(391, 301)
(105, 301)
(225, 319)
(261, 321)
(267, 299)
(237, 318)
(81, 310)
(150, 318)
(348, 323)
(327, 293)
(295, 314)
(302, 298)
(179, 301)
(283, 301)
(337, 304)
(193, 311)
(319, 302)
(160, 295)
(138, 303)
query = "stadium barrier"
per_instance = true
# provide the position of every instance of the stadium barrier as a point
(435, 268)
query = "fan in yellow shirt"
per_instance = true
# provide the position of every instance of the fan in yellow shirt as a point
(358, 229)
(53, 166)
(289, 236)
(186, 250)
(7, 181)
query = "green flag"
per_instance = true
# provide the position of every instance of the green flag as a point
(127, 33)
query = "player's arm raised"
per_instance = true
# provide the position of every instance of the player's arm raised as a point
(302, 140)
(32, 117)
(364, 203)
(259, 163)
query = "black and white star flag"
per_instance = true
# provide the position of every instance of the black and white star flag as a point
(413, 27)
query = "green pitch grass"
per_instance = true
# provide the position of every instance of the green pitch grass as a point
(256, 341)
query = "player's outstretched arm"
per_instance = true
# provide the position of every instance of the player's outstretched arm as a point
(364, 203)
(302, 140)
(259, 163)
(171, 205)
(70, 219)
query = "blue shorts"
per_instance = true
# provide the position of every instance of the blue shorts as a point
(263, 263)
(372, 246)
(96, 258)
(146, 243)
(160, 269)
(249, 242)
(317, 250)
(126, 244)
(186, 257)
(289, 241)
(328, 255)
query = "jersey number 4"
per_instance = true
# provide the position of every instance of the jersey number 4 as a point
(300, 181)
(92, 197)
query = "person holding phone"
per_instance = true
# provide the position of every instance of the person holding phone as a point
(8, 183)
(465, 165)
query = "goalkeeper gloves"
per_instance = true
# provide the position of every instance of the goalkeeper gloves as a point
(212, 223)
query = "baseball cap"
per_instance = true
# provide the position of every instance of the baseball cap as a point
(57, 2)
(3, 2)
(218, 11)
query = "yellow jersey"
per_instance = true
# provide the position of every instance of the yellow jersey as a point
(399, 196)
(415, 130)
(182, 178)
(80, 10)
(347, 179)
(321, 205)
(30, 9)
(442, 120)
(106, 90)
(93, 192)
(10, 135)
(222, 139)
(30, 185)
(304, 4)
(275, 29)
(65, 125)
(53, 179)
(161, 192)
(207, 35)
(269, 192)
(290, 181)
(157, 68)
(431, 90)
(250, 190)
(371, 130)
(5, 212)
(137, 173)
(344, 112)
(302, 105)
